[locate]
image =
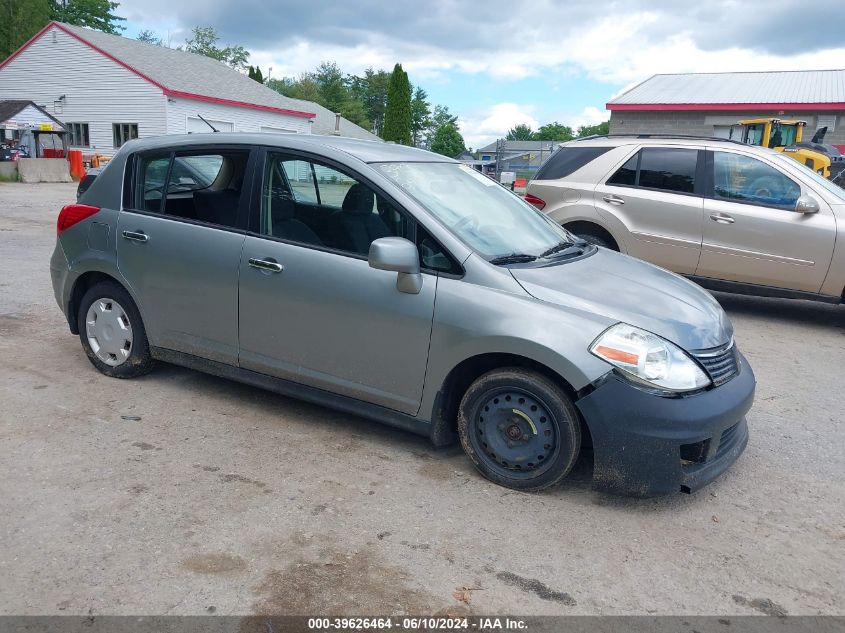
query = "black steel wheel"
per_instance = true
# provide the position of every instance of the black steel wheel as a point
(519, 429)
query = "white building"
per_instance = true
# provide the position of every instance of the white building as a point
(108, 89)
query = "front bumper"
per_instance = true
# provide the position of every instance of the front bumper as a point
(647, 445)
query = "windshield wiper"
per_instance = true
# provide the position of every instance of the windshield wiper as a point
(513, 258)
(562, 246)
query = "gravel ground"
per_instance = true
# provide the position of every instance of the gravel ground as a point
(181, 493)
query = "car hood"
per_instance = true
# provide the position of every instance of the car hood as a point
(634, 292)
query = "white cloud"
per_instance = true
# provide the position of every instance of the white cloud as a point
(494, 122)
(627, 43)
(590, 115)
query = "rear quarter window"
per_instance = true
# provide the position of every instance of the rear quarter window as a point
(568, 160)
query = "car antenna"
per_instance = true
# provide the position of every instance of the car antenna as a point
(213, 129)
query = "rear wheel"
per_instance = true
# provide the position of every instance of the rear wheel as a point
(112, 333)
(519, 429)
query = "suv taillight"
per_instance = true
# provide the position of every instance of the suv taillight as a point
(537, 202)
(72, 214)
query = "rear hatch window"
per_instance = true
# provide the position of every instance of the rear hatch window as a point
(568, 160)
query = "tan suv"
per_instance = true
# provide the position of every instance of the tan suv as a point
(730, 216)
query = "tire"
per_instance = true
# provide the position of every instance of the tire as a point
(597, 240)
(114, 337)
(531, 435)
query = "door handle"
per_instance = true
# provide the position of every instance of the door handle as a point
(611, 199)
(721, 218)
(136, 236)
(264, 264)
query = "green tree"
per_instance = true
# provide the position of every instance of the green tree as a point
(601, 129)
(150, 37)
(19, 21)
(95, 14)
(255, 74)
(520, 132)
(397, 115)
(448, 141)
(440, 116)
(329, 79)
(420, 115)
(304, 88)
(371, 90)
(204, 42)
(354, 111)
(554, 132)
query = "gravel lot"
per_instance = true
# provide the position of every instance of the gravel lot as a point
(181, 493)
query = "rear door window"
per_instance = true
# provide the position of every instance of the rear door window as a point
(568, 160)
(661, 168)
(203, 186)
(668, 169)
(152, 173)
(626, 176)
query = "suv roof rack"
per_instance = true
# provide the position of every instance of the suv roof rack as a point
(666, 136)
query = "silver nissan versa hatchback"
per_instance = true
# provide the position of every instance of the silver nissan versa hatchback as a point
(400, 285)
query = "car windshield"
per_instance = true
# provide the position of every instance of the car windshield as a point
(832, 187)
(487, 217)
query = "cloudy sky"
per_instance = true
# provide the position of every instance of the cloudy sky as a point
(496, 63)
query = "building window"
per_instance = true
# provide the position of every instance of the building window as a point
(78, 134)
(123, 132)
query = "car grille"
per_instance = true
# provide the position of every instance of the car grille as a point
(720, 362)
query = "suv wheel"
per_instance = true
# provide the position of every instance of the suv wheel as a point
(112, 333)
(519, 429)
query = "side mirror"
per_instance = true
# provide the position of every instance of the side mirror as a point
(398, 255)
(807, 204)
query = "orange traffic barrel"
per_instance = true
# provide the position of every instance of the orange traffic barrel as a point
(77, 169)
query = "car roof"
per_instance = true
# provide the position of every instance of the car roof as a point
(366, 151)
(616, 140)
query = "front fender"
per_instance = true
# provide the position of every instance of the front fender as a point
(520, 325)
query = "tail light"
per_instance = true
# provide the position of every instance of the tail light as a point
(537, 202)
(73, 214)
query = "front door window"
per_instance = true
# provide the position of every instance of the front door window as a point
(739, 178)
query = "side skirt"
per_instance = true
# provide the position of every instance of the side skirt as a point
(295, 390)
(738, 287)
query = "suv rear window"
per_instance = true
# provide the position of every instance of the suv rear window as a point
(568, 160)
(663, 168)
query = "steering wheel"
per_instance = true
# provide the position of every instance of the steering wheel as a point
(764, 187)
(467, 222)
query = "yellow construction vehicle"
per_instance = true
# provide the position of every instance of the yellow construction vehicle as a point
(786, 135)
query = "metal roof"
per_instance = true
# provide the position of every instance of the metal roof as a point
(11, 107)
(788, 88)
(521, 146)
(186, 75)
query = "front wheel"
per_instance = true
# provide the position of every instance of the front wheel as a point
(112, 332)
(519, 429)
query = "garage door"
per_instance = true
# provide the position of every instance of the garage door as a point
(275, 130)
(196, 125)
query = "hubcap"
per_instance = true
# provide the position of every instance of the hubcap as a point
(109, 331)
(514, 433)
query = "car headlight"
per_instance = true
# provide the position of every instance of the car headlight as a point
(647, 358)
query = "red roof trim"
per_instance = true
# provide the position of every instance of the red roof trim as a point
(241, 104)
(725, 106)
(164, 89)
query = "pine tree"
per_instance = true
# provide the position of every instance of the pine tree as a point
(397, 116)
